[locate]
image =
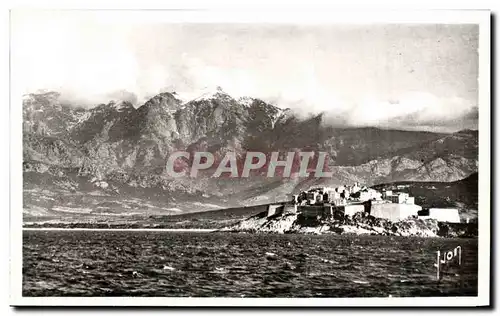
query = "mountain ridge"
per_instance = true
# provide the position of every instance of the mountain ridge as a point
(127, 147)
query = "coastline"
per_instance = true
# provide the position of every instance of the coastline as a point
(198, 230)
(359, 224)
(288, 222)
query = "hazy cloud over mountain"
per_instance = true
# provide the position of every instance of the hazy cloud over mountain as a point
(398, 76)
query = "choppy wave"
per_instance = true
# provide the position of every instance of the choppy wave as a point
(131, 263)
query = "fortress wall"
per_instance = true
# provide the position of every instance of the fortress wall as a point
(394, 211)
(353, 209)
(315, 210)
(445, 214)
(274, 209)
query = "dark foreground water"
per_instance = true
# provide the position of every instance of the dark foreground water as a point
(131, 263)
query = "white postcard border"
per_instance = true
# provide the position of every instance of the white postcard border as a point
(254, 16)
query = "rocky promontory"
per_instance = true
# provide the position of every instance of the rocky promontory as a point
(358, 224)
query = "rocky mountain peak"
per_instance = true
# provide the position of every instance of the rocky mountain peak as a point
(121, 106)
(42, 97)
(208, 94)
(166, 101)
(246, 101)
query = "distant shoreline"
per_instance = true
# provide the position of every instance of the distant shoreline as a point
(198, 230)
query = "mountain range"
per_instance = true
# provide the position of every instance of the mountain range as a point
(109, 160)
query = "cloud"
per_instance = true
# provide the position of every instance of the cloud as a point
(122, 95)
(412, 111)
(357, 76)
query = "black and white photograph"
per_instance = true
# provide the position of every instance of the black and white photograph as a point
(241, 159)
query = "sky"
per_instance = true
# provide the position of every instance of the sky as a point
(405, 76)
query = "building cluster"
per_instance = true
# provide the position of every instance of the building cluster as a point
(338, 196)
(349, 200)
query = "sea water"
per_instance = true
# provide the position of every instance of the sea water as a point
(147, 263)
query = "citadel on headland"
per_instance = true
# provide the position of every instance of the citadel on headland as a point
(329, 202)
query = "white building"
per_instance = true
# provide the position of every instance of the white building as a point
(387, 193)
(369, 194)
(400, 198)
(355, 188)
